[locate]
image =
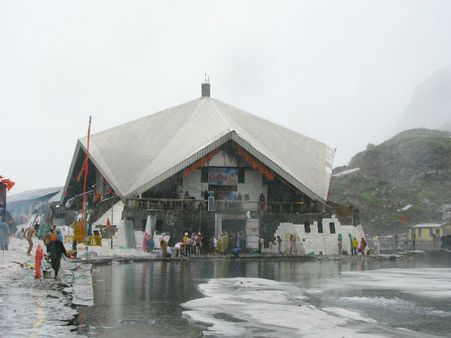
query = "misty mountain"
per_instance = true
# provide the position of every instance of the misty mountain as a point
(412, 168)
(430, 106)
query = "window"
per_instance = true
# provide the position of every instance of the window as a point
(307, 227)
(320, 227)
(241, 175)
(159, 225)
(204, 175)
(332, 227)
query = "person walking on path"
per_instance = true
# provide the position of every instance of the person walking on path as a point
(4, 234)
(340, 243)
(56, 249)
(29, 237)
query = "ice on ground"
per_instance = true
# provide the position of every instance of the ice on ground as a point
(232, 307)
(31, 307)
(426, 282)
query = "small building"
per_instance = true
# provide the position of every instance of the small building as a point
(204, 166)
(426, 232)
(23, 205)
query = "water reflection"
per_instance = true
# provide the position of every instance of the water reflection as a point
(133, 300)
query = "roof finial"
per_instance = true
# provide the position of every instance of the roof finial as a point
(205, 88)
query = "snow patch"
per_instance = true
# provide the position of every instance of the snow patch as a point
(346, 172)
(261, 307)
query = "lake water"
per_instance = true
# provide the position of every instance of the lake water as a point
(271, 298)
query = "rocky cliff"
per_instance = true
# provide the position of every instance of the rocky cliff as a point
(403, 181)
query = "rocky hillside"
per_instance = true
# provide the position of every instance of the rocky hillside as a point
(412, 168)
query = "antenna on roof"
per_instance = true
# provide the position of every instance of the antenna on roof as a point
(205, 87)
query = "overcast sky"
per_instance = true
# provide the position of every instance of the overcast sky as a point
(342, 72)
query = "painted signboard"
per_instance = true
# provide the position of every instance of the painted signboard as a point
(223, 176)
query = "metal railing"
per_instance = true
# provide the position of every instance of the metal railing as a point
(220, 205)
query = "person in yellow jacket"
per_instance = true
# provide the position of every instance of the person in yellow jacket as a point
(355, 244)
(221, 244)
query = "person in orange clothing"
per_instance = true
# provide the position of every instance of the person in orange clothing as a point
(363, 246)
(37, 262)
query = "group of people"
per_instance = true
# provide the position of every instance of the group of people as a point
(197, 244)
(54, 243)
(355, 246)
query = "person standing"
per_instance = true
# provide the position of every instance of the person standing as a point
(355, 245)
(262, 202)
(37, 261)
(145, 245)
(279, 244)
(164, 248)
(377, 245)
(340, 243)
(261, 243)
(185, 240)
(150, 244)
(363, 246)
(4, 234)
(29, 237)
(225, 241)
(292, 240)
(221, 244)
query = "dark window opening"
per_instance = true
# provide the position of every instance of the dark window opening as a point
(159, 225)
(204, 175)
(241, 175)
(307, 227)
(320, 227)
(332, 227)
(143, 224)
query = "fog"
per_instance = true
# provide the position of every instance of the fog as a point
(342, 72)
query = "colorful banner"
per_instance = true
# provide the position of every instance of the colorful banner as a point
(223, 176)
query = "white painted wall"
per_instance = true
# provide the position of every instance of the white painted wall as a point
(325, 243)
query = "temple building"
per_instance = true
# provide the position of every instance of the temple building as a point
(204, 165)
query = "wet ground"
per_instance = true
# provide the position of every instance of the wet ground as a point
(408, 297)
(35, 308)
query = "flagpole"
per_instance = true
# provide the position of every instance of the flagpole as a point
(83, 207)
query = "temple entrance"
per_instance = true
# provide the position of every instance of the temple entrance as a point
(235, 230)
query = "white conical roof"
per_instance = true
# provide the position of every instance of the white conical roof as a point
(139, 154)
